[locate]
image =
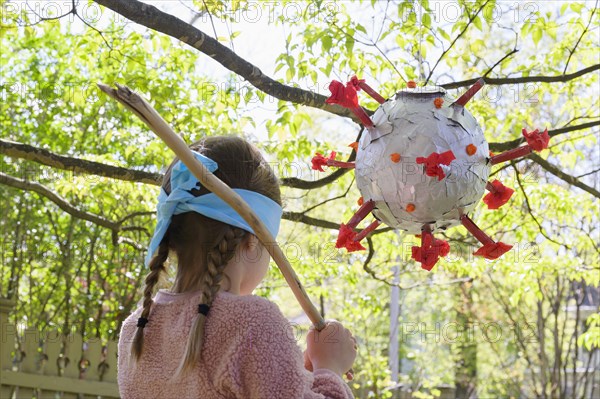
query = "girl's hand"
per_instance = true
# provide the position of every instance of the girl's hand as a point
(332, 348)
(308, 365)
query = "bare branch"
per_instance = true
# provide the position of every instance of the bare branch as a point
(462, 32)
(153, 18)
(76, 165)
(117, 226)
(588, 173)
(301, 217)
(514, 51)
(523, 79)
(426, 283)
(572, 51)
(562, 175)
(507, 145)
(58, 200)
(535, 219)
(329, 199)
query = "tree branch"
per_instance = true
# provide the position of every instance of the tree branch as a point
(153, 18)
(514, 51)
(462, 32)
(311, 221)
(300, 217)
(523, 79)
(117, 226)
(562, 175)
(507, 145)
(58, 200)
(308, 185)
(76, 165)
(572, 51)
(528, 206)
(310, 208)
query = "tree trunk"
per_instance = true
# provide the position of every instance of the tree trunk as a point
(465, 375)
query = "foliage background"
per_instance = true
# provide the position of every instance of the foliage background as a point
(74, 233)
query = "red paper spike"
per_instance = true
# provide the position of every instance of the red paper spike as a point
(464, 99)
(346, 239)
(355, 82)
(498, 194)
(511, 154)
(493, 251)
(342, 95)
(340, 164)
(490, 249)
(441, 246)
(346, 97)
(430, 250)
(360, 84)
(536, 140)
(318, 161)
(365, 232)
(362, 213)
(362, 115)
(475, 231)
(433, 162)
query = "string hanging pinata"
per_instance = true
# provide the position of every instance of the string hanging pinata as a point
(422, 166)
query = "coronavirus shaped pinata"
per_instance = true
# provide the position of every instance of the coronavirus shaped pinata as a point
(422, 166)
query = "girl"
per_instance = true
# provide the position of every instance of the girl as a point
(208, 337)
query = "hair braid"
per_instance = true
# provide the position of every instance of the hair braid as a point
(217, 259)
(157, 265)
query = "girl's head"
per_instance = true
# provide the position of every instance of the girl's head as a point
(204, 246)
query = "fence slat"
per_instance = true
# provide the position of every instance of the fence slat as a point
(52, 348)
(30, 345)
(93, 355)
(73, 344)
(111, 360)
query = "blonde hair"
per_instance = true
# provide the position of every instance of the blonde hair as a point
(204, 246)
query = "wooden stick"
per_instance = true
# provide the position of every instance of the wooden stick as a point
(148, 114)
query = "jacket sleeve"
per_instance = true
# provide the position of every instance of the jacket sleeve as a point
(268, 363)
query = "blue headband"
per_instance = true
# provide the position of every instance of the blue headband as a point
(181, 200)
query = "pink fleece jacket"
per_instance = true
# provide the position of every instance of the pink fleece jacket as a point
(249, 352)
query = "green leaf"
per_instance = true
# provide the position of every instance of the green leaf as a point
(326, 42)
(536, 34)
(577, 7)
(477, 23)
(443, 33)
(426, 20)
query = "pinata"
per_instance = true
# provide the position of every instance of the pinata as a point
(422, 165)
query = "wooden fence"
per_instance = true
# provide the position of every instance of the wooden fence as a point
(35, 364)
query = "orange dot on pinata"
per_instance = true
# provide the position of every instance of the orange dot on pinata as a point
(360, 201)
(471, 149)
(410, 208)
(411, 84)
(395, 157)
(438, 102)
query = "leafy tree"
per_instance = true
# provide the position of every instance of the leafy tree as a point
(80, 175)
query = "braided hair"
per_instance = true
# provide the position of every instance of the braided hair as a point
(204, 246)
